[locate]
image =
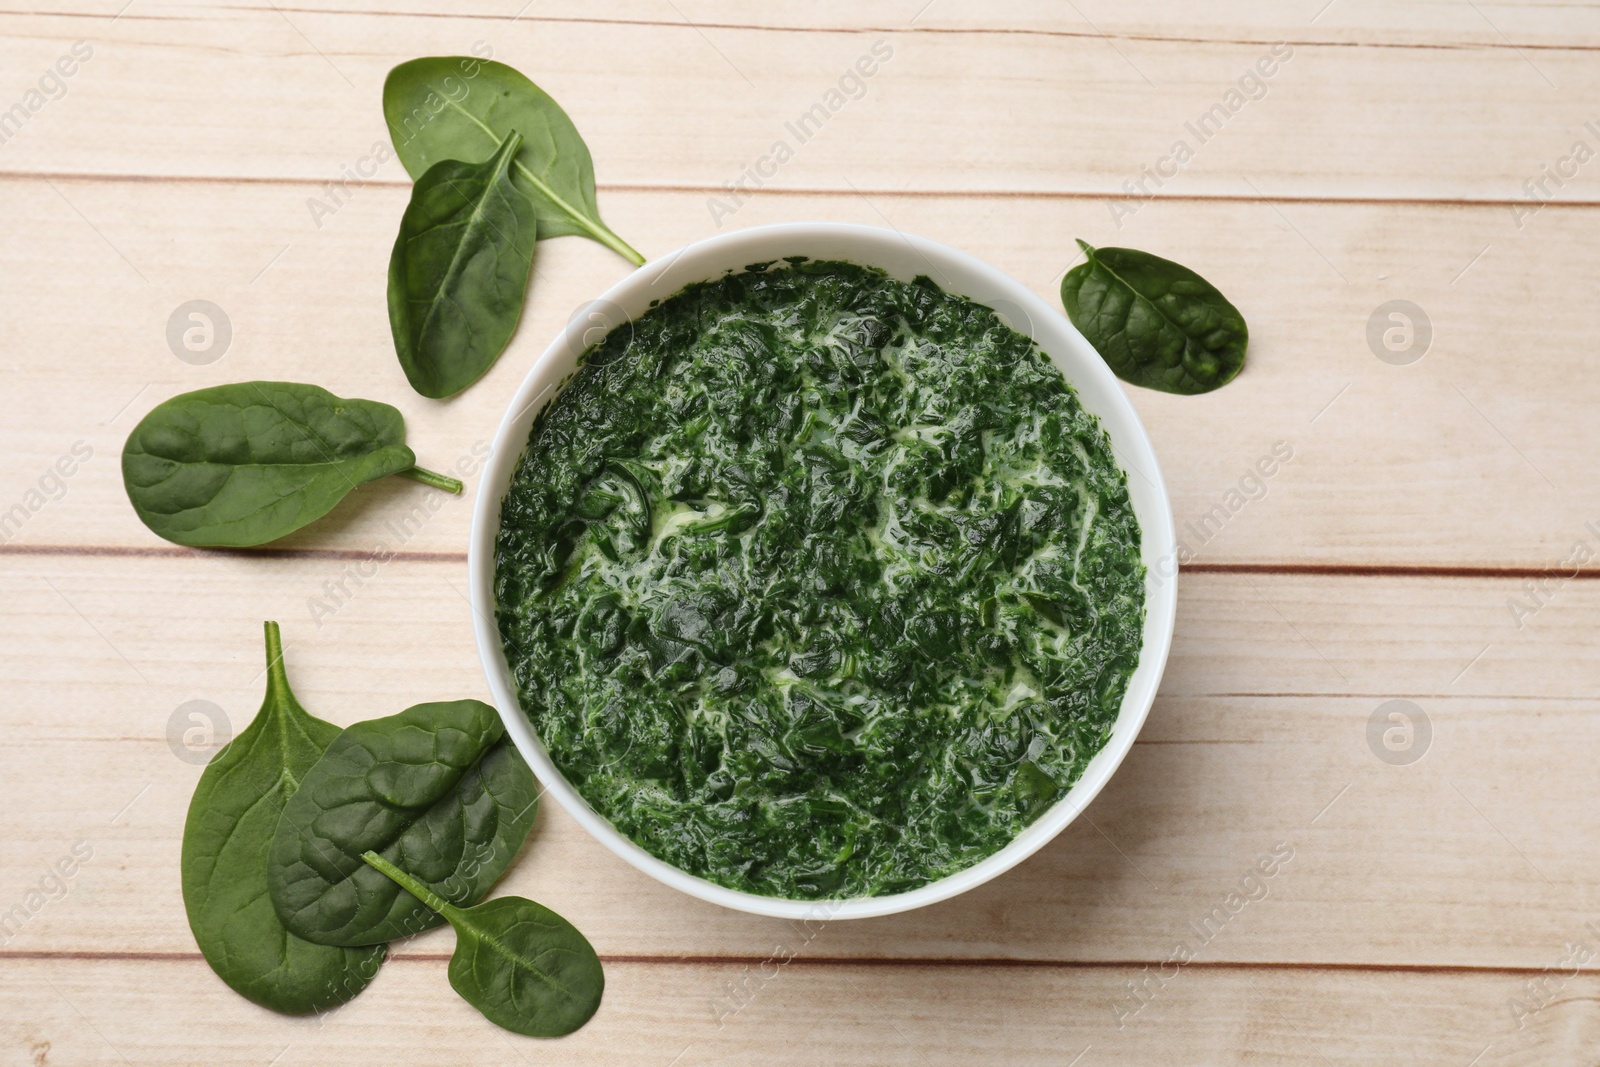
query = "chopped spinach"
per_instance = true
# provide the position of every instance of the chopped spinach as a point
(231, 820)
(523, 966)
(459, 271)
(819, 584)
(463, 108)
(437, 787)
(1155, 322)
(244, 464)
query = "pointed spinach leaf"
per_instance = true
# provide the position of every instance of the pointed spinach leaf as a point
(437, 787)
(231, 821)
(1155, 322)
(244, 464)
(459, 271)
(460, 107)
(525, 967)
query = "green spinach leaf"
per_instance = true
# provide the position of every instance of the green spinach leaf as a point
(244, 464)
(459, 271)
(437, 787)
(1156, 323)
(224, 867)
(459, 107)
(525, 967)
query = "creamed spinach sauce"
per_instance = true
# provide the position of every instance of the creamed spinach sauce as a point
(819, 584)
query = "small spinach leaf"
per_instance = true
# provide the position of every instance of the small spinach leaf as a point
(459, 271)
(1156, 323)
(231, 821)
(437, 787)
(525, 967)
(244, 464)
(459, 107)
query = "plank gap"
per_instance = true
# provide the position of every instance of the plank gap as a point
(1316, 570)
(112, 177)
(902, 962)
(909, 30)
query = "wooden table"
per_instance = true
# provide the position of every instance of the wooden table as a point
(1432, 539)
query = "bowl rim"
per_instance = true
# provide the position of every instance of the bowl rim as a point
(1085, 371)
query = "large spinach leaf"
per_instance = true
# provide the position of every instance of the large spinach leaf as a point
(458, 107)
(244, 464)
(437, 787)
(231, 821)
(1155, 322)
(459, 271)
(525, 967)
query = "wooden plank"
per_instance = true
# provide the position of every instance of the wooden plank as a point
(1406, 23)
(121, 1011)
(260, 93)
(1389, 461)
(1258, 742)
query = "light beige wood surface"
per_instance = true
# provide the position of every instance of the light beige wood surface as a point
(1430, 912)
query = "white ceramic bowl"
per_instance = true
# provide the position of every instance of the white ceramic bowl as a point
(903, 257)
